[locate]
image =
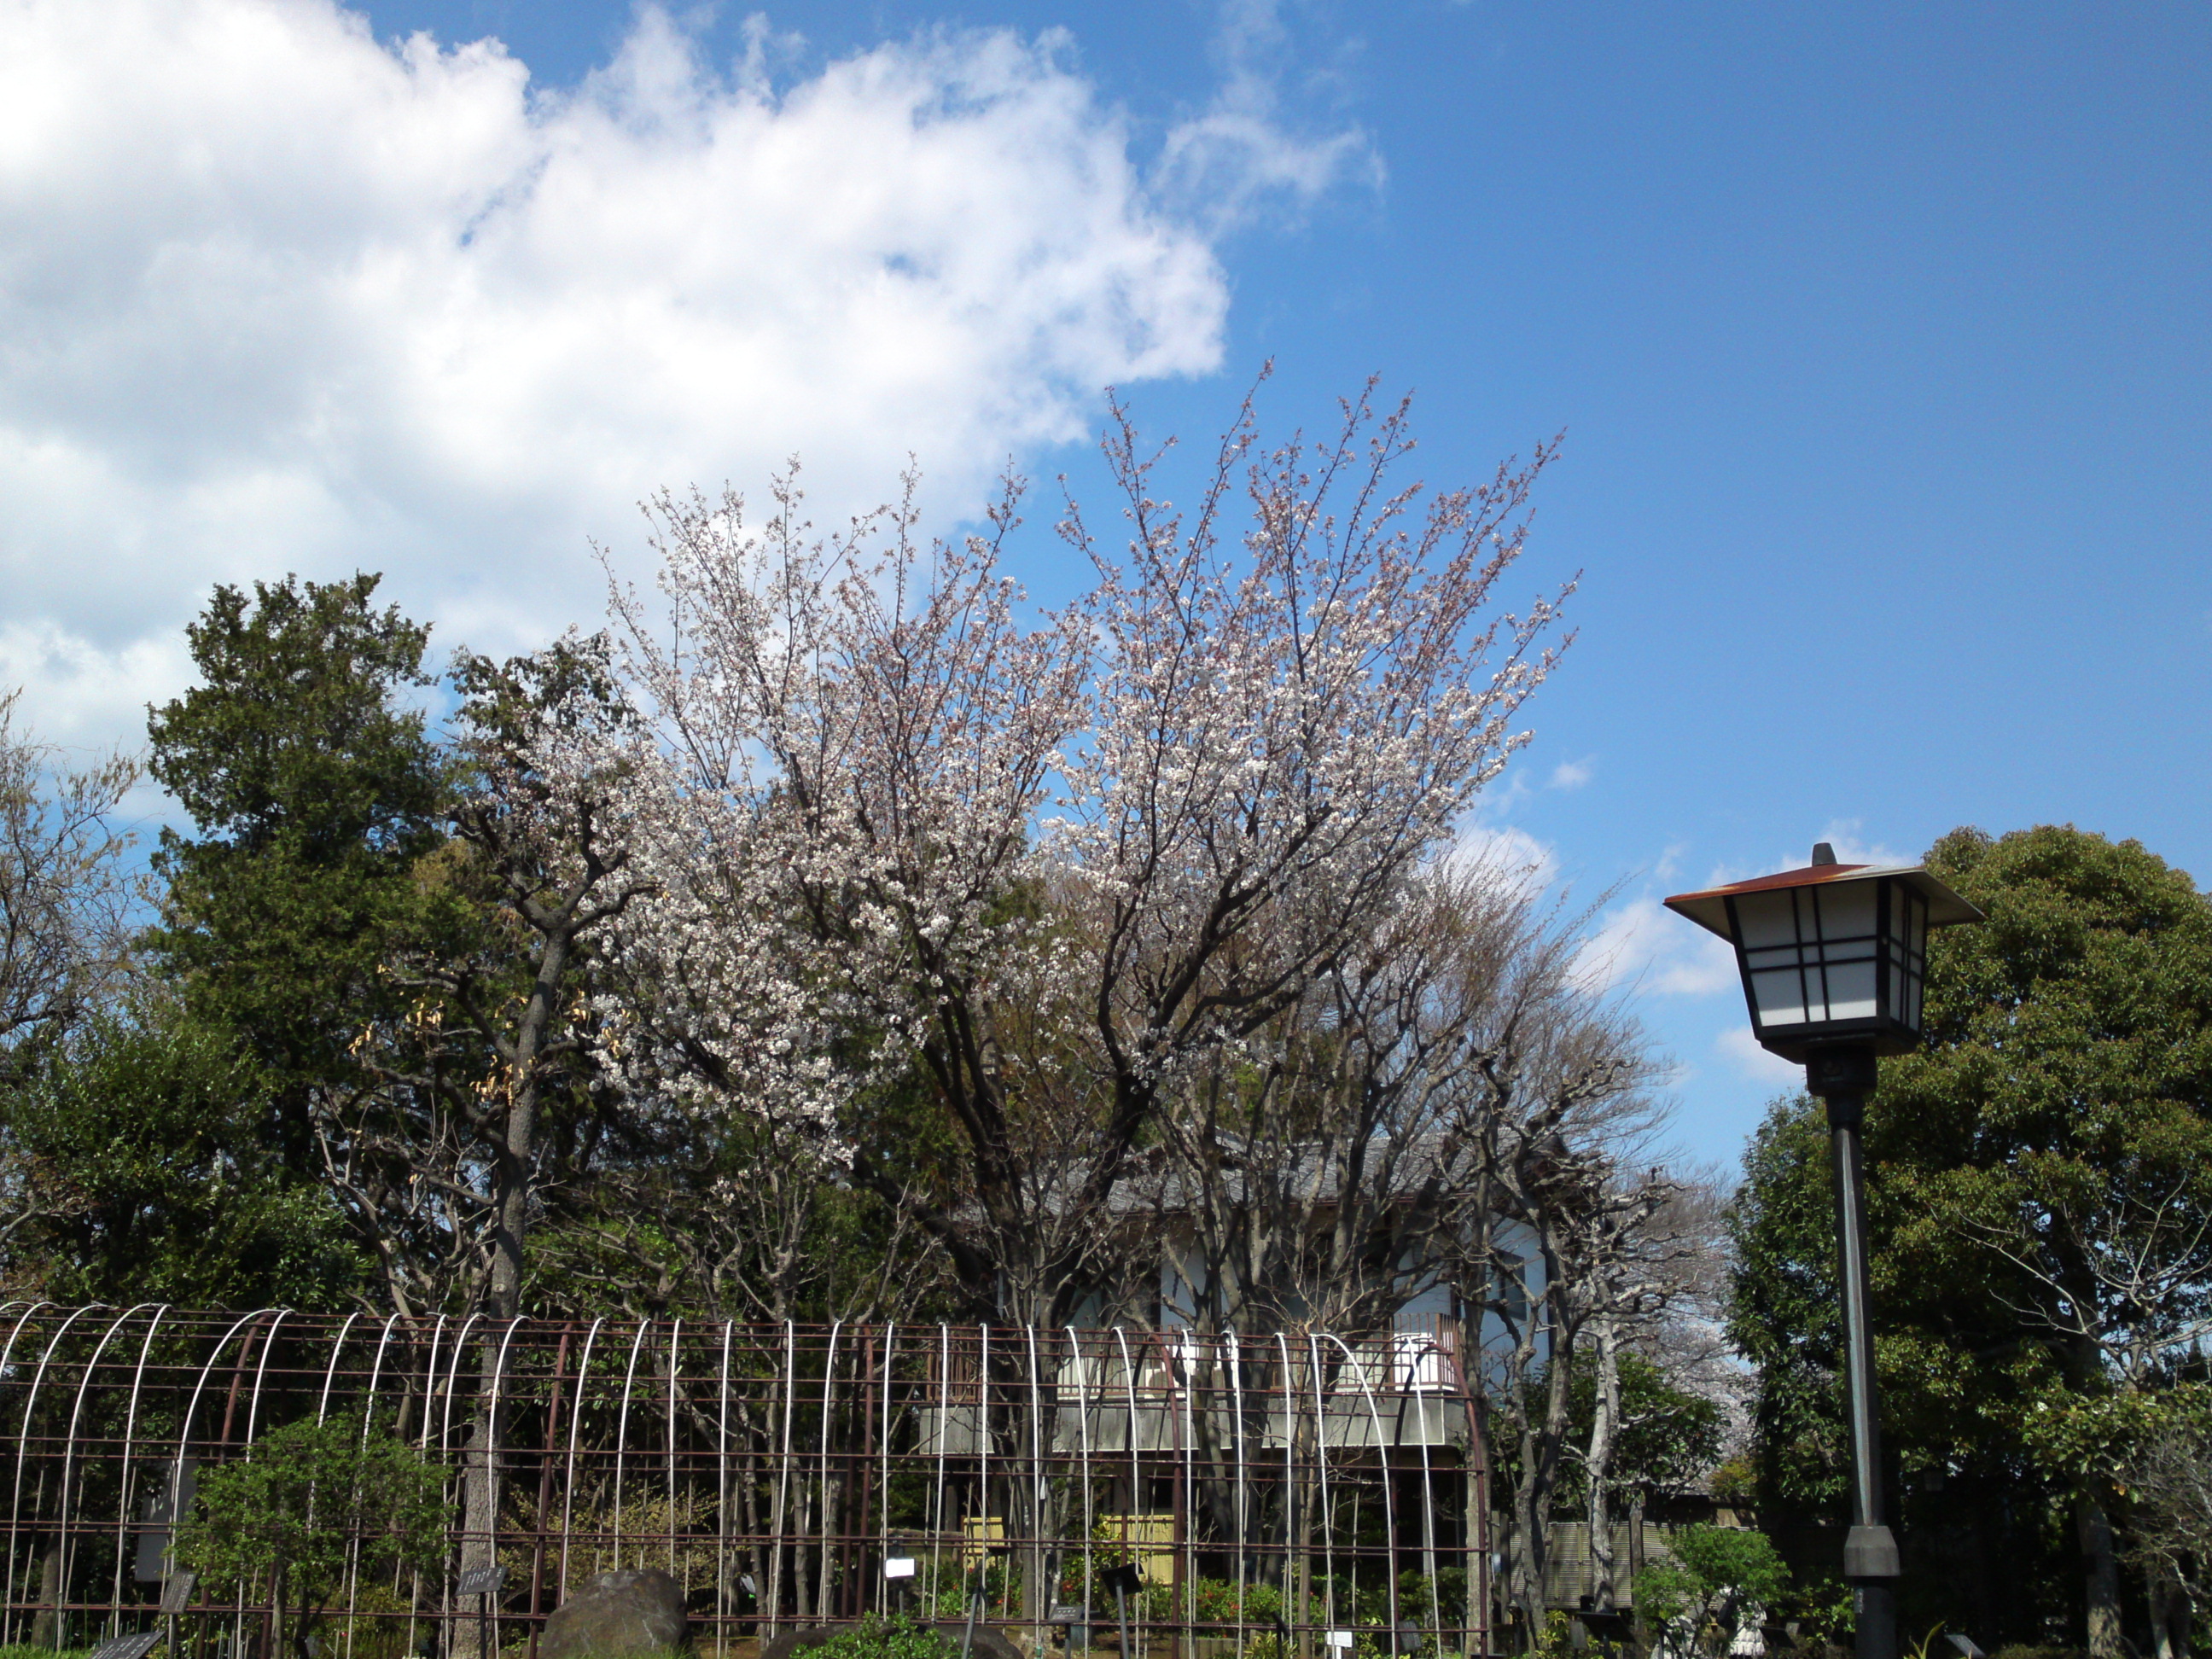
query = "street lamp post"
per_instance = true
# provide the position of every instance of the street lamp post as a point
(1834, 963)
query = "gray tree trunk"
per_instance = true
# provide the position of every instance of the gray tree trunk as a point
(45, 1625)
(1605, 1419)
(2100, 1598)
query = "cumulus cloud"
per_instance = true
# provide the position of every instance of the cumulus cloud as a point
(1642, 945)
(1507, 849)
(1232, 158)
(276, 296)
(1743, 1054)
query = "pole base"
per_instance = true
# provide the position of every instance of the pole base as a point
(1870, 1552)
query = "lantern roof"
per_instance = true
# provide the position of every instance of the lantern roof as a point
(1709, 908)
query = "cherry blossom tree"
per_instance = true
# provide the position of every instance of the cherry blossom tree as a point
(1057, 865)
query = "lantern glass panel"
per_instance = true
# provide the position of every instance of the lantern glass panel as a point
(1906, 948)
(1767, 927)
(1810, 954)
(1847, 934)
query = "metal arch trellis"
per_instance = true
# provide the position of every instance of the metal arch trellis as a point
(774, 1471)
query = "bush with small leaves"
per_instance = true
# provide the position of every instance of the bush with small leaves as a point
(283, 1522)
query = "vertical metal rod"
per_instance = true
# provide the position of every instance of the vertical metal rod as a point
(864, 1382)
(622, 1432)
(1296, 1613)
(1083, 1437)
(1237, 1407)
(675, 1339)
(890, 1345)
(944, 1418)
(69, 1454)
(429, 1403)
(488, 1638)
(123, 1501)
(1429, 1352)
(352, 1549)
(983, 1514)
(545, 1482)
(1136, 1480)
(22, 1452)
(722, 1490)
(23, 1448)
(772, 1592)
(1390, 1512)
(448, 1612)
(1038, 1605)
(575, 1423)
(1869, 1552)
(822, 1560)
(1321, 1471)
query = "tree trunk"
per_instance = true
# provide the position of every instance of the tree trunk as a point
(2100, 1576)
(1605, 1418)
(2170, 1615)
(46, 1627)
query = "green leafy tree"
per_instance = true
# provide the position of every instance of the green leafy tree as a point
(284, 1521)
(1668, 1436)
(315, 791)
(1710, 1581)
(143, 1178)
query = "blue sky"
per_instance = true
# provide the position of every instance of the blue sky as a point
(1881, 337)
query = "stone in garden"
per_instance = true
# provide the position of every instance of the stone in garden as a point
(792, 1643)
(618, 1615)
(988, 1645)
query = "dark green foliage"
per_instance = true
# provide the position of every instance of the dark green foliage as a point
(314, 793)
(1784, 1316)
(138, 1141)
(286, 1519)
(874, 1638)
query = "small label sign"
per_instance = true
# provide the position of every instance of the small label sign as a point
(1339, 1639)
(1068, 1613)
(481, 1581)
(128, 1647)
(898, 1566)
(177, 1593)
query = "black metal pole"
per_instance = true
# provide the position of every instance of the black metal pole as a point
(1843, 1076)
(975, 1590)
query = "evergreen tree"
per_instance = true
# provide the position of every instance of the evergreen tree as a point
(315, 791)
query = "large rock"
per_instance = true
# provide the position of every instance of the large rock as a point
(988, 1644)
(618, 1615)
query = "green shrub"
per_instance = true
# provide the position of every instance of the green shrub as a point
(1684, 1592)
(896, 1637)
(285, 1517)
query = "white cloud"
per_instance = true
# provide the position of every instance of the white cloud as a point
(1224, 162)
(1509, 851)
(275, 297)
(1843, 836)
(1642, 945)
(1570, 775)
(1740, 1049)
